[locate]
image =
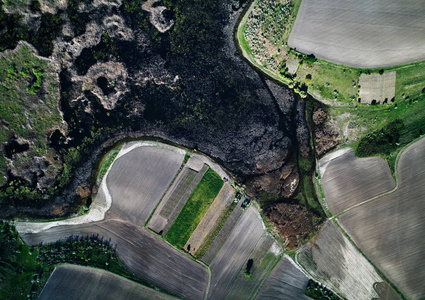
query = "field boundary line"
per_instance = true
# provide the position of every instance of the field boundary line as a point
(400, 153)
(344, 232)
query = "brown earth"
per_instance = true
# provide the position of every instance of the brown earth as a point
(291, 221)
(326, 135)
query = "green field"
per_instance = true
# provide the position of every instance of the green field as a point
(194, 209)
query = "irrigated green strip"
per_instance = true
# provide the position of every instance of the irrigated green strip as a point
(195, 209)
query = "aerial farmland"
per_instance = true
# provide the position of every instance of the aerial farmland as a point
(236, 252)
(352, 33)
(383, 220)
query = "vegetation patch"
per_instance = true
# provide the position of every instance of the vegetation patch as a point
(194, 209)
(24, 269)
(106, 162)
(317, 291)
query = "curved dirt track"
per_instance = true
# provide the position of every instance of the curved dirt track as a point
(136, 181)
(361, 33)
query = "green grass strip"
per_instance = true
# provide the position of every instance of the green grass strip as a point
(195, 209)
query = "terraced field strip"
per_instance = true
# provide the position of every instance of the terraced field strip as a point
(194, 209)
(285, 282)
(139, 178)
(211, 218)
(260, 263)
(72, 282)
(235, 252)
(390, 229)
(332, 260)
(223, 234)
(142, 253)
(348, 180)
(181, 195)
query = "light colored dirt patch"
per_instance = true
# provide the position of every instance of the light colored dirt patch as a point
(348, 180)
(292, 64)
(376, 88)
(361, 33)
(223, 199)
(390, 230)
(332, 260)
(74, 282)
(195, 164)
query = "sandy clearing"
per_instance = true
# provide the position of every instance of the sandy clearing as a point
(376, 87)
(223, 200)
(390, 230)
(361, 33)
(349, 180)
(77, 282)
(285, 282)
(216, 168)
(292, 64)
(138, 179)
(235, 252)
(142, 253)
(332, 260)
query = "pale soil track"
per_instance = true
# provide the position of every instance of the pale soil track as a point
(361, 33)
(348, 180)
(72, 282)
(136, 181)
(390, 229)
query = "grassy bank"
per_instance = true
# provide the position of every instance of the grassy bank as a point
(194, 209)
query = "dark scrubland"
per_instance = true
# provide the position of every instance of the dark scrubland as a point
(187, 85)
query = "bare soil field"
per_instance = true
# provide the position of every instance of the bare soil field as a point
(285, 282)
(72, 282)
(377, 88)
(361, 33)
(332, 260)
(348, 180)
(138, 179)
(235, 252)
(223, 200)
(259, 265)
(223, 234)
(390, 230)
(141, 252)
